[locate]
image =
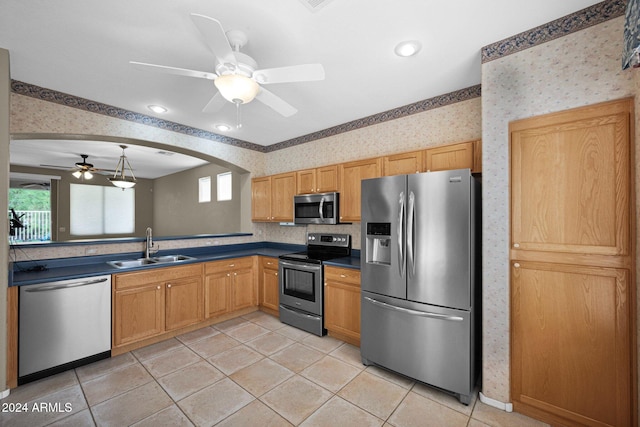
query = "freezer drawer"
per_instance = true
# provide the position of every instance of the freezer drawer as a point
(428, 343)
(62, 323)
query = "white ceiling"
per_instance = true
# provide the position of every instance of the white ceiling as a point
(83, 48)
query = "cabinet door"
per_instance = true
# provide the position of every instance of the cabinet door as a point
(327, 179)
(261, 199)
(242, 288)
(183, 299)
(283, 188)
(306, 181)
(138, 313)
(217, 293)
(571, 345)
(404, 163)
(269, 291)
(342, 302)
(448, 157)
(570, 182)
(351, 174)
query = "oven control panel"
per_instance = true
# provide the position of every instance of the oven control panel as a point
(323, 239)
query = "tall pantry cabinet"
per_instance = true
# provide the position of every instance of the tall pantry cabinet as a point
(572, 266)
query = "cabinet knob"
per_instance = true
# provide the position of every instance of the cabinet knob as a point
(232, 265)
(158, 287)
(235, 274)
(343, 276)
(516, 245)
(168, 285)
(276, 273)
(516, 265)
(228, 275)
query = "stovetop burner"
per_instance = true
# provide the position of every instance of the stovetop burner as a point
(322, 247)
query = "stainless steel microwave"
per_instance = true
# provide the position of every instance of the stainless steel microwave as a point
(316, 208)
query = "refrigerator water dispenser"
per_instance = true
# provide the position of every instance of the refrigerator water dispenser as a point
(378, 243)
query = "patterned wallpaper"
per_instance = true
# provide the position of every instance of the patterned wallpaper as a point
(579, 69)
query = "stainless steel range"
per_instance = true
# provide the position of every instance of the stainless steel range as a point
(301, 276)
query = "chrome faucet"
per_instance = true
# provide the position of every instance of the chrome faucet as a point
(149, 247)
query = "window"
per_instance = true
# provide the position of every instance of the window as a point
(224, 186)
(204, 189)
(101, 210)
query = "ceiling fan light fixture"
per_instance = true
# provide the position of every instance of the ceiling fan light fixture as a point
(237, 88)
(407, 48)
(119, 178)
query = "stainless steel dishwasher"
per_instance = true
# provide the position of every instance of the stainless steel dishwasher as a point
(63, 325)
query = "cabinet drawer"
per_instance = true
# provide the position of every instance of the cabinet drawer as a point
(228, 264)
(165, 274)
(268, 262)
(345, 275)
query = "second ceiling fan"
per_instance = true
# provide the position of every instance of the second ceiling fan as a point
(236, 75)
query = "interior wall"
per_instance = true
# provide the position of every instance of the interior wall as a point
(456, 122)
(178, 212)
(579, 69)
(5, 90)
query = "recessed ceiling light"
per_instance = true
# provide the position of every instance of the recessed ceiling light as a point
(408, 48)
(157, 108)
(223, 127)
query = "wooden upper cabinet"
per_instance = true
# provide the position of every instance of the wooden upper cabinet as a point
(327, 179)
(261, 199)
(272, 197)
(283, 188)
(306, 181)
(404, 163)
(351, 174)
(448, 157)
(570, 181)
(318, 180)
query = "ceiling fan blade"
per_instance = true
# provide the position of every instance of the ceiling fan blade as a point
(174, 70)
(57, 167)
(215, 104)
(276, 103)
(215, 38)
(294, 73)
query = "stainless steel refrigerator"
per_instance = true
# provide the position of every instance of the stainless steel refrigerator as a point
(420, 277)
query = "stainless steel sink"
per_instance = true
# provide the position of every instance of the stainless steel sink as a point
(130, 263)
(172, 258)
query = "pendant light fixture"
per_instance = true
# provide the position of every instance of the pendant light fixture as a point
(119, 178)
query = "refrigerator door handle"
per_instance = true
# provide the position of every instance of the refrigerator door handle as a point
(415, 312)
(411, 232)
(401, 235)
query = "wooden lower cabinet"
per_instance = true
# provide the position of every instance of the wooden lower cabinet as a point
(148, 303)
(269, 287)
(229, 285)
(571, 346)
(342, 303)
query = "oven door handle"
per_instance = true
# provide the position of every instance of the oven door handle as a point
(301, 266)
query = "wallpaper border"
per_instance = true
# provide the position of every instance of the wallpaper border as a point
(561, 27)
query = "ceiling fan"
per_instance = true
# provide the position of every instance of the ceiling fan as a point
(236, 75)
(82, 169)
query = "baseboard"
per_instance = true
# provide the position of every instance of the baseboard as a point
(508, 407)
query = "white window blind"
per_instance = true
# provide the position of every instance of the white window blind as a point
(204, 189)
(101, 210)
(224, 186)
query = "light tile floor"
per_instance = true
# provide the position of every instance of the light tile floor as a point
(248, 371)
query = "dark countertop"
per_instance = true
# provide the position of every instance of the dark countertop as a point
(42, 271)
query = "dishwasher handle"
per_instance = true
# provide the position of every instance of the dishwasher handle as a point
(66, 285)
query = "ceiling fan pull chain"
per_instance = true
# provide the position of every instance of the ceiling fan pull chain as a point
(238, 118)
